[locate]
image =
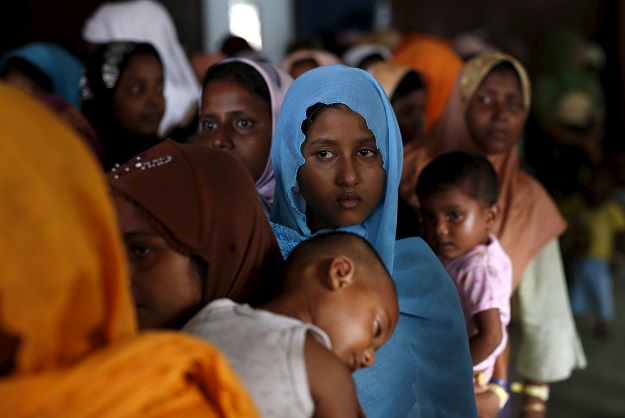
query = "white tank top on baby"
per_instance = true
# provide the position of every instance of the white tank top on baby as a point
(267, 352)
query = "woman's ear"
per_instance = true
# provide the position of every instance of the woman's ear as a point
(341, 272)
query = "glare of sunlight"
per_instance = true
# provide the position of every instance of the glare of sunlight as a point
(244, 19)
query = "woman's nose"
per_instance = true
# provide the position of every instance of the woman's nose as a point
(500, 110)
(348, 176)
(221, 139)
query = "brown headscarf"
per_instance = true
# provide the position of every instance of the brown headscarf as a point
(529, 217)
(68, 342)
(208, 206)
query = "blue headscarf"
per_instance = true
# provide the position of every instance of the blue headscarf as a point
(425, 369)
(62, 68)
(337, 84)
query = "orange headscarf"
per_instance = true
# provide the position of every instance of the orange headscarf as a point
(65, 308)
(529, 217)
(439, 65)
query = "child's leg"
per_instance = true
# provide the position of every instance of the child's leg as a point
(603, 289)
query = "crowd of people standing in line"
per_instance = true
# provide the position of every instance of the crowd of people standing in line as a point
(333, 236)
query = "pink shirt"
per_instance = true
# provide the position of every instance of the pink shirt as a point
(483, 278)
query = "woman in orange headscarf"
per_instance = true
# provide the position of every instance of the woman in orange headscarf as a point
(486, 113)
(437, 62)
(68, 339)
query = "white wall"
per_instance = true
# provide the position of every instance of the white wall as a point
(276, 25)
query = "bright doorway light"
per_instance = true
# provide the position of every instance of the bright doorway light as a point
(244, 21)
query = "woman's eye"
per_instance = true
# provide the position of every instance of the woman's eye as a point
(324, 154)
(484, 99)
(207, 126)
(514, 104)
(139, 250)
(454, 216)
(245, 123)
(367, 153)
(135, 89)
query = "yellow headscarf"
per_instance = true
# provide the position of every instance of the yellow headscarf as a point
(64, 293)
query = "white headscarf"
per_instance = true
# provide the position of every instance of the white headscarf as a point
(149, 21)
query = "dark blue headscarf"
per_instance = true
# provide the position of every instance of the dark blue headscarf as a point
(58, 65)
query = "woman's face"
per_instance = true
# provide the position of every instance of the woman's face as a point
(496, 113)
(166, 285)
(410, 113)
(342, 179)
(138, 101)
(236, 121)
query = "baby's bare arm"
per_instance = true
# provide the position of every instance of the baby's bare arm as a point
(331, 384)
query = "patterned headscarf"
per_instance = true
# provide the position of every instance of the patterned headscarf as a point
(149, 21)
(208, 214)
(529, 217)
(104, 68)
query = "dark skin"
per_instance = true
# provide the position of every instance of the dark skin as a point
(489, 336)
(331, 384)
(486, 400)
(352, 298)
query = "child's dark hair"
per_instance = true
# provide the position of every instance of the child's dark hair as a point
(244, 74)
(470, 172)
(412, 81)
(321, 239)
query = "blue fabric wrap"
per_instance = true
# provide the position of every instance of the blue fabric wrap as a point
(425, 369)
(349, 86)
(61, 67)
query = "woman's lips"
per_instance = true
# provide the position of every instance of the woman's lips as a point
(349, 200)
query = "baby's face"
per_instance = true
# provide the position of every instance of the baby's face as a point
(454, 223)
(362, 320)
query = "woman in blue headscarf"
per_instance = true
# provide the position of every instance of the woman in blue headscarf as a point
(43, 67)
(337, 157)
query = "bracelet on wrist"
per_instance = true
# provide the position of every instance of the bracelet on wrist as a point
(501, 383)
(536, 391)
(501, 393)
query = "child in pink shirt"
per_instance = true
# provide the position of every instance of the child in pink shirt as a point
(458, 195)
